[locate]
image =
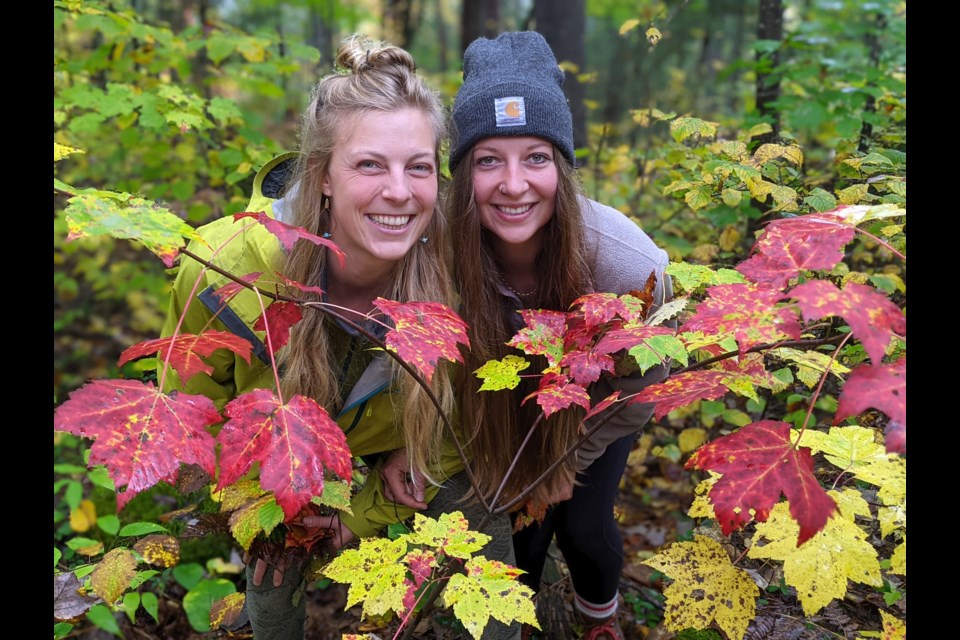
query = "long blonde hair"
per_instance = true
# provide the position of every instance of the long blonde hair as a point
(375, 77)
(496, 420)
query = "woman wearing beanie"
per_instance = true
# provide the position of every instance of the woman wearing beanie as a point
(525, 236)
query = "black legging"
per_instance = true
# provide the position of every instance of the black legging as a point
(586, 530)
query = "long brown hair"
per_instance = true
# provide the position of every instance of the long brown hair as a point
(375, 77)
(497, 421)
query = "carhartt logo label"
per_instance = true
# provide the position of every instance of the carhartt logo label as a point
(511, 112)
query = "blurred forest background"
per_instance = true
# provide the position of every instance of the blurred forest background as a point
(181, 101)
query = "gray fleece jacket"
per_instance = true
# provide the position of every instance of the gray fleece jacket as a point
(621, 256)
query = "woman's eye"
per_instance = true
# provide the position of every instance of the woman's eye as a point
(539, 158)
(422, 168)
(367, 165)
(486, 161)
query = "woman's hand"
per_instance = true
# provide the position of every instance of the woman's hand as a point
(339, 534)
(400, 484)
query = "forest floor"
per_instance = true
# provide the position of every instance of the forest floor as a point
(654, 498)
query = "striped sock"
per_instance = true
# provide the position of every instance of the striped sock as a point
(595, 611)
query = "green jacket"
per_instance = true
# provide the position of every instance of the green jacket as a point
(368, 418)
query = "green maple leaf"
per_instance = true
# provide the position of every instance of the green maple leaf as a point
(489, 589)
(820, 200)
(810, 364)
(336, 494)
(246, 523)
(693, 276)
(656, 350)
(449, 533)
(219, 47)
(684, 127)
(224, 110)
(820, 567)
(375, 575)
(113, 574)
(847, 447)
(501, 374)
(706, 589)
(122, 215)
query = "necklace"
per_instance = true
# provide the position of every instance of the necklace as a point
(517, 293)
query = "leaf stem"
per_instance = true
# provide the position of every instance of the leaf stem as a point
(816, 393)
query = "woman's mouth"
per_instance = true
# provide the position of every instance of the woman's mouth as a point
(394, 223)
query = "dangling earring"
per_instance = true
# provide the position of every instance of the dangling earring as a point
(324, 209)
(424, 239)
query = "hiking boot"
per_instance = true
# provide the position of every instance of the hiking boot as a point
(600, 628)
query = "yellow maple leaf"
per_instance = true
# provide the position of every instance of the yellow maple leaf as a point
(690, 439)
(898, 561)
(847, 447)
(237, 494)
(818, 569)
(489, 589)
(893, 628)
(702, 507)
(851, 503)
(890, 474)
(706, 589)
(83, 517)
(375, 575)
(113, 574)
(810, 364)
(891, 518)
(767, 152)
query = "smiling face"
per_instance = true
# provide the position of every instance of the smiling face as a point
(382, 182)
(515, 185)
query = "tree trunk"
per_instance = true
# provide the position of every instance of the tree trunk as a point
(769, 27)
(441, 37)
(400, 20)
(321, 36)
(873, 44)
(563, 24)
(479, 18)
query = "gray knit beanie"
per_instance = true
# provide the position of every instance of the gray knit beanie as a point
(511, 87)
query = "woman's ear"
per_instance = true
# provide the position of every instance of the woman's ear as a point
(325, 186)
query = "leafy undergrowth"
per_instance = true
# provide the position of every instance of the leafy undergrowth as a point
(656, 493)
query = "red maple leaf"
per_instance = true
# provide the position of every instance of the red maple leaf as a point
(558, 392)
(226, 293)
(682, 389)
(788, 246)
(424, 332)
(759, 463)
(288, 234)
(600, 308)
(882, 387)
(873, 318)
(586, 366)
(280, 317)
(186, 350)
(762, 269)
(600, 406)
(140, 434)
(293, 443)
(748, 312)
(629, 336)
(542, 335)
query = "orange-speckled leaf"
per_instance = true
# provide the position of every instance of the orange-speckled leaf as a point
(139, 433)
(113, 574)
(288, 234)
(873, 318)
(759, 463)
(160, 550)
(542, 335)
(748, 312)
(293, 443)
(226, 611)
(683, 389)
(586, 366)
(187, 349)
(882, 387)
(600, 308)
(281, 316)
(423, 333)
(558, 392)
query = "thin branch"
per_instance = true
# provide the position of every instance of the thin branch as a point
(823, 378)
